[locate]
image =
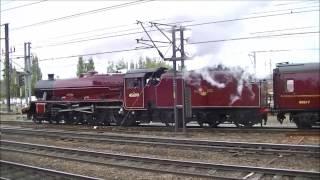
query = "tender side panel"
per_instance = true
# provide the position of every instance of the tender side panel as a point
(164, 93)
(204, 95)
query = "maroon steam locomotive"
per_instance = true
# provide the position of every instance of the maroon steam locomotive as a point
(145, 95)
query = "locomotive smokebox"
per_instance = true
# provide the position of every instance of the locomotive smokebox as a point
(51, 77)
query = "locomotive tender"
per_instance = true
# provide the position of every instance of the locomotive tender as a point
(145, 95)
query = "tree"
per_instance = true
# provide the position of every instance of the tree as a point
(143, 63)
(14, 89)
(151, 63)
(121, 65)
(131, 66)
(36, 72)
(110, 67)
(80, 66)
(89, 66)
(83, 66)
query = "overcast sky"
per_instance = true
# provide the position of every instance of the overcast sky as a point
(28, 22)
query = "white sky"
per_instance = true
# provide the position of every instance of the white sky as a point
(303, 48)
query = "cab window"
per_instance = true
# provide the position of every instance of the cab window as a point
(290, 85)
(133, 83)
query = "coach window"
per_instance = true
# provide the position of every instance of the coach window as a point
(290, 85)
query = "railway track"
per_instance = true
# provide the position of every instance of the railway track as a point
(185, 168)
(14, 170)
(283, 149)
(158, 128)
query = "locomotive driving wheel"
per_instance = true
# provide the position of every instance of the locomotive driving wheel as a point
(165, 117)
(213, 120)
(36, 120)
(128, 119)
(247, 124)
(76, 118)
(60, 117)
(242, 119)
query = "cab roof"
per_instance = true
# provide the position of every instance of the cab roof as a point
(136, 73)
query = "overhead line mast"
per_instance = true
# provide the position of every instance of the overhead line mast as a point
(174, 60)
(7, 65)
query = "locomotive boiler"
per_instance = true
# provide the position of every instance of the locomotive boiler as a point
(86, 99)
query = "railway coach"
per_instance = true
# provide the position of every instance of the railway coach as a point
(297, 93)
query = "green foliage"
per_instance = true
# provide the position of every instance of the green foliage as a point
(121, 65)
(89, 66)
(151, 63)
(14, 88)
(84, 67)
(36, 73)
(80, 66)
(110, 67)
(143, 63)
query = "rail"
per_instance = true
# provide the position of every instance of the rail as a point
(313, 150)
(187, 168)
(14, 170)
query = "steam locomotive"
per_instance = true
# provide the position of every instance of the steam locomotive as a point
(210, 96)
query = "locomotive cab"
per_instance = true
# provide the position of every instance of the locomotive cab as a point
(135, 82)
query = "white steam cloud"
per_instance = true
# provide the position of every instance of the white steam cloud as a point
(233, 74)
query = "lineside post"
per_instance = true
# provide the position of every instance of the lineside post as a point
(174, 51)
(183, 87)
(6, 29)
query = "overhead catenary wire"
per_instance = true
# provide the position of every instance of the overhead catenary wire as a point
(106, 28)
(255, 37)
(100, 29)
(84, 39)
(187, 25)
(285, 29)
(288, 9)
(253, 17)
(83, 13)
(123, 25)
(24, 5)
(298, 2)
(190, 43)
(97, 35)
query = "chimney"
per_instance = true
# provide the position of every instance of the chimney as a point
(50, 77)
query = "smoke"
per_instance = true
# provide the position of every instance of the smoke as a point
(194, 78)
(243, 81)
(207, 76)
(220, 77)
(233, 99)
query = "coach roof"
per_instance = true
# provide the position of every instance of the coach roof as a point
(298, 67)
